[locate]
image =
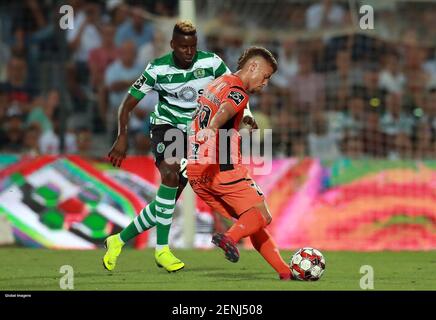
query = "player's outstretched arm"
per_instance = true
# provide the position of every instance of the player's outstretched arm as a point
(119, 148)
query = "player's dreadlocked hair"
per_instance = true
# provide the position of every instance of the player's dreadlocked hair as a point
(257, 51)
(184, 27)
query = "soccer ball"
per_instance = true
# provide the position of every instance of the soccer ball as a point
(307, 264)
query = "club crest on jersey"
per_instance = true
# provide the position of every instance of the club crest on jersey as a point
(236, 96)
(160, 147)
(188, 94)
(199, 73)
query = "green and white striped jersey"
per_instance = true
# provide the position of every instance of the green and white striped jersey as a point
(178, 89)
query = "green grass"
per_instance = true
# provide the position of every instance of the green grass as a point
(38, 269)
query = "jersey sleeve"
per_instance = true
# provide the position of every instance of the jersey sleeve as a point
(144, 84)
(237, 97)
(219, 67)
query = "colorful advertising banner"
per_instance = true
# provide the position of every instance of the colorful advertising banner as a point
(362, 205)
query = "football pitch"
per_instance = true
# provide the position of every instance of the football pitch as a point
(39, 269)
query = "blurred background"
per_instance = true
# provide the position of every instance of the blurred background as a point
(353, 113)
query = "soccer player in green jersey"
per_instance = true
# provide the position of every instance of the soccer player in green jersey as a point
(179, 78)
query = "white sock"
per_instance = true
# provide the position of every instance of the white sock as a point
(119, 237)
(161, 246)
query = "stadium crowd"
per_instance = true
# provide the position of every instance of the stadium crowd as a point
(347, 95)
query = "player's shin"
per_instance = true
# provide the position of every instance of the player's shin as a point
(265, 245)
(248, 223)
(142, 222)
(165, 204)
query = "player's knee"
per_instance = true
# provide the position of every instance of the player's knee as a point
(169, 174)
(170, 178)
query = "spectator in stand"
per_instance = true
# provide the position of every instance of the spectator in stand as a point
(426, 19)
(340, 82)
(430, 110)
(84, 142)
(232, 46)
(395, 119)
(84, 37)
(325, 14)
(322, 143)
(34, 34)
(288, 64)
(136, 29)
(371, 93)
(152, 50)
(5, 54)
(298, 148)
(424, 142)
(392, 78)
(29, 17)
(99, 60)
(417, 78)
(375, 141)
(414, 94)
(4, 103)
(402, 147)
(262, 114)
(42, 111)
(4, 107)
(20, 92)
(351, 121)
(354, 117)
(287, 124)
(118, 12)
(352, 146)
(118, 78)
(429, 65)
(13, 132)
(31, 140)
(49, 142)
(165, 8)
(101, 57)
(307, 86)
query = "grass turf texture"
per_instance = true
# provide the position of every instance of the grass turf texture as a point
(38, 269)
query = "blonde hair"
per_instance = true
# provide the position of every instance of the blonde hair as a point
(185, 27)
